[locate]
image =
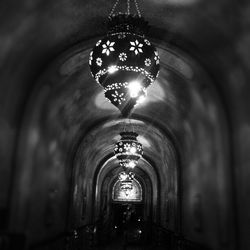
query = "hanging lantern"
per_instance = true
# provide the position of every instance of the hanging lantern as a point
(128, 150)
(124, 62)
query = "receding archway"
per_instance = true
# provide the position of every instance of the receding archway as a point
(69, 128)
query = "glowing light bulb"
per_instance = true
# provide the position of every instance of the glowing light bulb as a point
(123, 176)
(112, 69)
(141, 99)
(132, 150)
(134, 88)
(131, 164)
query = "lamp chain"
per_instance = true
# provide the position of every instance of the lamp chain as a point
(128, 8)
(137, 8)
(124, 126)
(113, 8)
(131, 125)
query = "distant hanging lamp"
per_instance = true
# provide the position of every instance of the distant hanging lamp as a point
(128, 150)
(124, 62)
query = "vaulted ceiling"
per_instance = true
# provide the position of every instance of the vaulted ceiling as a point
(46, 86)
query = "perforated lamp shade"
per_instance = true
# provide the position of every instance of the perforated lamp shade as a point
(128, 150)
(124, 62)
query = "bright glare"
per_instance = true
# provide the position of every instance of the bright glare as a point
(134, 88)
(123, 176)
(132, 150)
(141, 99)
(127, 192)
(131, 164)
(112, 69)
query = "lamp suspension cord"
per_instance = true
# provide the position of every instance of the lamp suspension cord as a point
(133, 129)
(128, 8)
(137, 8)
(113, 8)
(124, 126)
(131, 125)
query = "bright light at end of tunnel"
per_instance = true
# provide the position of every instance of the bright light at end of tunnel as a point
(112, 69)
(134, 88)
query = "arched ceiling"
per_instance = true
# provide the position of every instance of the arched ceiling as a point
(34, 32)
(68, 113)
(62, 103)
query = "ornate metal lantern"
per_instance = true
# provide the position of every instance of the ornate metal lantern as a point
(128, 150)
(124, 62)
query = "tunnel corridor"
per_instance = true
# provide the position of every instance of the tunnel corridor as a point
(60, 179)
(69, 131)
